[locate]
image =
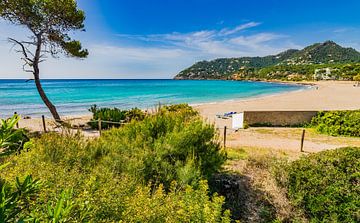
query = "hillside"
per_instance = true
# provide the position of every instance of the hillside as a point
(289, 65)
(327, 52)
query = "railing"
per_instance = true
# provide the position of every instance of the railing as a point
(67, 124)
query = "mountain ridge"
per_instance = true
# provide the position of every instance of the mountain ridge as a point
(315, 56)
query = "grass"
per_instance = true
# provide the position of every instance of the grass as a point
(236, 154)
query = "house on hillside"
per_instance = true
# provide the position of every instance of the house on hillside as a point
(325, 74)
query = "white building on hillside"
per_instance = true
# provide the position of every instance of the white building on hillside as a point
(324, 74)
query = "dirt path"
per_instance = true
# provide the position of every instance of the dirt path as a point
(287, 139)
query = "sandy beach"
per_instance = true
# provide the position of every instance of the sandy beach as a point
(323, 95)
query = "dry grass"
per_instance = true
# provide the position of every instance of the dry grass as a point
(265, 200)
(311, 135)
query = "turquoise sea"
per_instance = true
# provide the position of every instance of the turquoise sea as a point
(73, 97)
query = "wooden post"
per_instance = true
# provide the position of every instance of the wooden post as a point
(17, 124)
(43, 122)
(225, 136)
(99, 126)
(302, 141)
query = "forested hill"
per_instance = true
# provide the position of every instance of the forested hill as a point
(289, 65)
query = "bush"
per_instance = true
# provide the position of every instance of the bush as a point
(326, 185)
(148, 171)
(15, 198)
(188, 205)
(182, 108)
(335, 123)
(113, 115)
(165, 147)
(11, 139)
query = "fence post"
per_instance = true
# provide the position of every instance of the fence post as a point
(43, 122)
(17, 124)
(225, 136)
(99, 126)
(302, 141)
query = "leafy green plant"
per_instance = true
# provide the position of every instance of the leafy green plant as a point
(15, 199)
(356, 78)
(11, 139)
(113, 115)
(335, 123)
(61, 210)
(326, 185)
(106, 114)
(134, 114)
(180, 108)
(189, 205)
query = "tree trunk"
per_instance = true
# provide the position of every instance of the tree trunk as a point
(45, 99)
(36, 73)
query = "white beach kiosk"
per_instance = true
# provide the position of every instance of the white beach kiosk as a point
(238, 121)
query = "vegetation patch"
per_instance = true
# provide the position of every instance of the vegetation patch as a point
(326, 185)
(250, 188)
(153, 170)
(112, 117)
(337, 123)
(319, 61)
(11, 139)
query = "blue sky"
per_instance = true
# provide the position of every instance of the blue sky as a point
(159, 38)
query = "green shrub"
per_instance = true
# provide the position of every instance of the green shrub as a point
(148, 171)
(165, 147)
(335, 123)
(11, 139)
(182, 108)
(16, 198)
(134, 114)
(327, 185)
(113, 115)
(188, 205)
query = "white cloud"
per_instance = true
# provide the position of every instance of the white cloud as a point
(254, 40)
(341, 30)
(147, 56)
(227, 31)
(209, 44)
(140, 54)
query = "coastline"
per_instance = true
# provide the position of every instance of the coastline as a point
(77, 96)
(322, 95)
(261, 96)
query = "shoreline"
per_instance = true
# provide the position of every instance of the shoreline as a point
(84, 112)
(322, 95)
(312, 86)
(261, 96)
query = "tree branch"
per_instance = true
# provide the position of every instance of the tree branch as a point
(30, 43)
(26, 64)
(24, 50)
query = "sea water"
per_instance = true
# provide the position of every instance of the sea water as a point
(74, 97)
